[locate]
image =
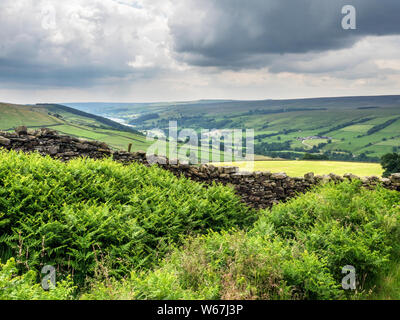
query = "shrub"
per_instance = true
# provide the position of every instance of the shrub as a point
(230, 266)
(365, 249)
(391, 163)
(345, 224)
(24, 287)
(70, 215)
(132, 232)
(310, 278)
(296, 250)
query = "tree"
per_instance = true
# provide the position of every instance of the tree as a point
(391, 163)
(308, 156)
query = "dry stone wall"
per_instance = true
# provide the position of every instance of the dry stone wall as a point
(257, 189)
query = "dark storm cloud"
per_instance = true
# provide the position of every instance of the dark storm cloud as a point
(236, 33)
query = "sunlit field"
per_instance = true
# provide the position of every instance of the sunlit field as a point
(299, 168)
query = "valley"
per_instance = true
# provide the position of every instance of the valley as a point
(328, 133)
(359, 129)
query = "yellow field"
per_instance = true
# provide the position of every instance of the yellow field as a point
(299, 168)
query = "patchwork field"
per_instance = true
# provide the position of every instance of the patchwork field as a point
(355, 128)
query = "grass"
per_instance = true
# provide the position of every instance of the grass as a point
(70, 124)
(390, 142)
(12, 116)
(358, 128)
(316, 142)
(300, 168)
(114, 138)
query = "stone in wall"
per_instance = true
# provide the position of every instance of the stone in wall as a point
(257, 189)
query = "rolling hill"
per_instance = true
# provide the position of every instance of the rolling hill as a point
(72, 122)
(344, 128)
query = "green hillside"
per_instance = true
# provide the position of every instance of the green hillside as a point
(85, 210)
(71, 122)
(347, 128)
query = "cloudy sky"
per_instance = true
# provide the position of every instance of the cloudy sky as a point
(168, 50)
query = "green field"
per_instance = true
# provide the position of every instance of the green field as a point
(361, 128)
(71, 122)
(300, 168)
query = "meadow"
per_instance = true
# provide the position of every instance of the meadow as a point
(300, 168)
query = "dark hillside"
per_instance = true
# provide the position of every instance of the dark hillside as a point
(57, 108)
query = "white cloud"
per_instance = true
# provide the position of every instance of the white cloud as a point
(51, 40)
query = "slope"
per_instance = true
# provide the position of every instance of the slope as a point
(71, 122)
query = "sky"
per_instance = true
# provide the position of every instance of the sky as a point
(175, 50)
